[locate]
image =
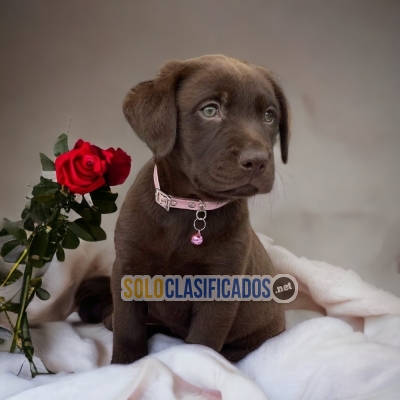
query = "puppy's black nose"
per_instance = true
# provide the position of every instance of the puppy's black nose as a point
(254, 161)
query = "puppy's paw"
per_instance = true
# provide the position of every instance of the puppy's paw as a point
(128, 357)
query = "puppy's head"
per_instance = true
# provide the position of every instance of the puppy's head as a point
(218, 118)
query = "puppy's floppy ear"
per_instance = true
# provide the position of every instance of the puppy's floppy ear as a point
(150, 108)
(284, 123)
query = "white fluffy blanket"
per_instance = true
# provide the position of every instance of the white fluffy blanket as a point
(342, 342)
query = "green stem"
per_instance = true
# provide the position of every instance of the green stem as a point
(23, 303)
(16, 265)
(27, 344)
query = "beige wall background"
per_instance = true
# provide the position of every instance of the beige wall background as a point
(338, 198)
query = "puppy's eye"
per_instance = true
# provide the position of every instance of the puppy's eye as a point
(210, 111)
(269, 116)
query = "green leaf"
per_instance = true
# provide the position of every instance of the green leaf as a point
(85, 214)
(13, 278)
(96, 217)
(4, 239)
(39, 214)
(42, 294)
(8, 247)
(45, 180)
(98, 233)
(14, 255)
(71, 241)
(46, 186)
(60, 253)
(47, 164)
(54, 238)
(88, 232)
(14, 229)
(81, 229)
(11, 307)
(61, 145)
(105, 207)
(45, 198)
(38, 249)
(29, 225)
(89, 214)
(3, 232)
(25, 213)
(104, 193)
(53, 216)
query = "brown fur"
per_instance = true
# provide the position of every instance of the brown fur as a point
(213, 159)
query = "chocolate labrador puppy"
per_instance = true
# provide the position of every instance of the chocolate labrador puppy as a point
(211, 123)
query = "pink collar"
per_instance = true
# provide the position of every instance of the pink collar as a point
(168, 202)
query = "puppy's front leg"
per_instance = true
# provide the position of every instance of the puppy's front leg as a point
(211, 323)
(129, 324)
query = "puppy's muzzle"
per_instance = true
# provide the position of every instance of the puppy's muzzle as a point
(253, 161)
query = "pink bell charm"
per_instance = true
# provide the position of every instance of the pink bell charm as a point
(197, 239)
(201, 216)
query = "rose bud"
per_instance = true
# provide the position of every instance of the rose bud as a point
(82, 169)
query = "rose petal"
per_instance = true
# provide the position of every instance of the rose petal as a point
(119, 168)
(78, 144)
(72, 169)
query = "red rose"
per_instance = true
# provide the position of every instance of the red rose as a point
(82, 169)
(119, 168)
(86, 167)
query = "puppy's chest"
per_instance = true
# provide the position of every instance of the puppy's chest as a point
(184, 258)
(180, 263)
(166, 242)
(173, 253)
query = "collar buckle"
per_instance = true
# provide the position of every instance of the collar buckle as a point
(163, 199)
